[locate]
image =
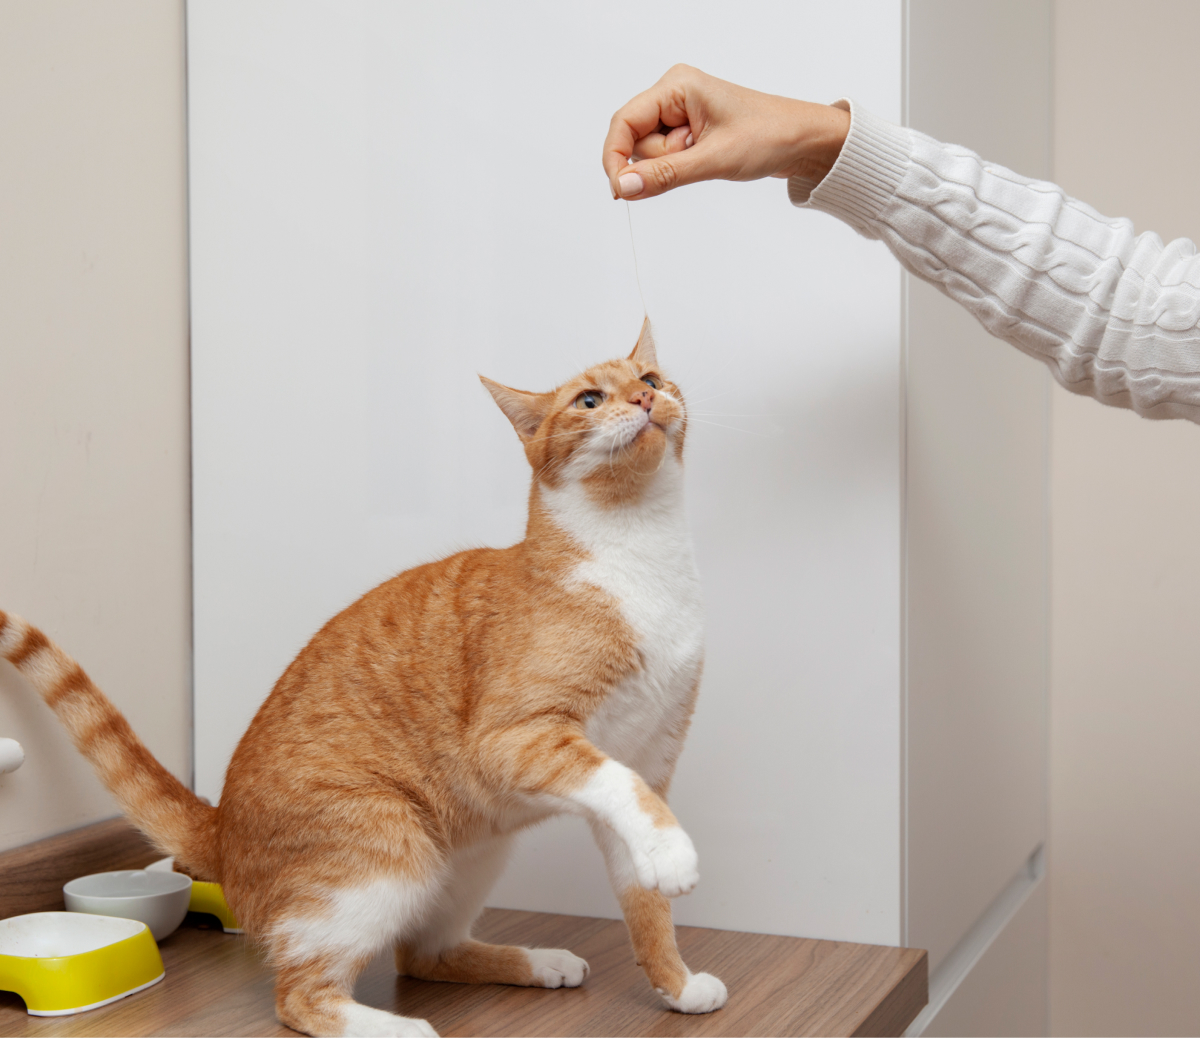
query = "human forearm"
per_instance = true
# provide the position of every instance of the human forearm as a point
(1113, 314)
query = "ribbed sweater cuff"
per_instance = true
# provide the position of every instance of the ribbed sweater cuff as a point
(864, 177)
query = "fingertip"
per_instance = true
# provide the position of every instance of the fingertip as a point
(613, 163)
(631, 185)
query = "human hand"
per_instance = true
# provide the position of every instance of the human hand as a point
(691, 126)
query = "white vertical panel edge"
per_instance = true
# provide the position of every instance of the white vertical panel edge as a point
(963, 957)
(905, 31)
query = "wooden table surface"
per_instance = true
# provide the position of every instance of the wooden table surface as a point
(216, 984)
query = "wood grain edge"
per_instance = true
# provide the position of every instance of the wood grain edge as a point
(900, 1006)
(32, 876)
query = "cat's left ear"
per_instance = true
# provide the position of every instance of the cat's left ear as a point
(643, 353)
(524, 410)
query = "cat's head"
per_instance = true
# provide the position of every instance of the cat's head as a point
(610, 429)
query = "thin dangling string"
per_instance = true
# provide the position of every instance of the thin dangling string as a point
(637, 273)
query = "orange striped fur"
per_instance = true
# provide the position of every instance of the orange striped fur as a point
(373, 799)
(166, 810)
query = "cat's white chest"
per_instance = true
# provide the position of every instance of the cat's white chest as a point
(642, 558)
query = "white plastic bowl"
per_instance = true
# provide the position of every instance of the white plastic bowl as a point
(158, 899)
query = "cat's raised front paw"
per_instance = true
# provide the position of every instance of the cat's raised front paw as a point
(701, 994)
(667, 862)
(557, 968)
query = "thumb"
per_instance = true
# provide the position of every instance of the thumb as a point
(652, 177)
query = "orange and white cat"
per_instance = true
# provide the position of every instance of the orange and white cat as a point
(373, 799)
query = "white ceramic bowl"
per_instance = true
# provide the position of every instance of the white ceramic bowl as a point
(158, 899)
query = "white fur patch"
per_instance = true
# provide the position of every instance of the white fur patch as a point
(617, 859)
(641, 555)
(667, 862)
(557, 968)
(355, 921)
(701, 994)
(610, 795)
(469, 876)
(362, 1021)
(663, 859)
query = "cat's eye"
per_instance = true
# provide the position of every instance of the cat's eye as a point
(652, 382)
(591, 398)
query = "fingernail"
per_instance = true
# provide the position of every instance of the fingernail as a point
(631, 184)
(689, 142)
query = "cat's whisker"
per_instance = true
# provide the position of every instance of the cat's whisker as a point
(730, 414)
(706, 399)
(732, 428)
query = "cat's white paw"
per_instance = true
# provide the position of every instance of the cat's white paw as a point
(667, 862)
(701, 994)
(556, 968)
(364, 1022)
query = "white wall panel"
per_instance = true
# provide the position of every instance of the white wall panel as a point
(389, 198)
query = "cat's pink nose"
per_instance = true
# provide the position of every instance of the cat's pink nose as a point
(645, 397)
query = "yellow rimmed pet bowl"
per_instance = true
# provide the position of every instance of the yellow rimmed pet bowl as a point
(67, 962)
(210, 898)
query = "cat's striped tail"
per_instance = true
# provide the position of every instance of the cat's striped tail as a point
(174, 818)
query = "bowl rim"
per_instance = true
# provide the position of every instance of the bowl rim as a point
(72, 920)
(185, 883)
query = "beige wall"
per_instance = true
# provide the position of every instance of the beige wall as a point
(1125, 714)
(93, 381)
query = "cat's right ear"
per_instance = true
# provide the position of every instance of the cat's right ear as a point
(644, 352)
(524, 410)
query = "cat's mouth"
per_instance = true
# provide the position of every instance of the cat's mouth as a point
(647, 425)
(643, 425)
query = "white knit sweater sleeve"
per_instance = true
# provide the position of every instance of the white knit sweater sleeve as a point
(1113, 314)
